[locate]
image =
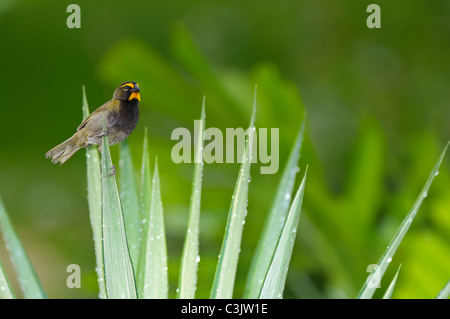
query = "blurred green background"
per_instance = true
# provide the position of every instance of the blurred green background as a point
(378, 105)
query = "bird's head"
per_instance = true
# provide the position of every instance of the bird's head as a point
(127, 91)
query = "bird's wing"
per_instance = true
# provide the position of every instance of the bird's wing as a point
(90, 116)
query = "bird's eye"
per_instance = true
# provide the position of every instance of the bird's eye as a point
(126, 88)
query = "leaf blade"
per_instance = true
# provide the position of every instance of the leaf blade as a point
(229, 254)
(368, 289)
(129, 197)
(155, 278)
(445, 292)
(275, 279)
(5, 288)
(190, 256)
(119, 274)
(95, 203)
(274, 221)
(145, 200)
(29, 283)
(390, 289)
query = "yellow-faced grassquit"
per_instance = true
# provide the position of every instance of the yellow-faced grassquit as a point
(120, 114)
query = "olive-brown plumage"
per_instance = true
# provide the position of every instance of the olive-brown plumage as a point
(121, 115)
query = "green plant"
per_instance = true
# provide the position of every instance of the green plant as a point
(370, 285)
(129, 231)
(131, 235)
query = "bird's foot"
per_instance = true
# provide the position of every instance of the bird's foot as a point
(112, 172)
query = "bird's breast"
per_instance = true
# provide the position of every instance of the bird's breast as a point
(122, 123)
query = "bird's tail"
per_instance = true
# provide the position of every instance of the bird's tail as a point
(63, 151)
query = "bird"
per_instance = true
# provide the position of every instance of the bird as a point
(120, 115)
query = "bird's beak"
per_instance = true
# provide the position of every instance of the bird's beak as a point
(135, 94)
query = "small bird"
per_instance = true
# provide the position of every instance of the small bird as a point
(121, 115)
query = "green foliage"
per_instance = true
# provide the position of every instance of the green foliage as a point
(369, 287)
(145, 204)
(231, 246)
(155, 272)
(29, 283)
(5, 288)
(118, 269)
(377, 119)
(129, 195)
(274, 223)
(145, 275)
(94, 182)
(275, 278)
(390, 289)
(445, 292)
(151, 269)
(190, 258)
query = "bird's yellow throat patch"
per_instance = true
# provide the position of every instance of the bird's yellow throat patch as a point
(135, 95)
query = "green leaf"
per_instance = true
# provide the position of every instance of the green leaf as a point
(445, 292)
(129, 197)
(275, 279)
(190, 257)
(390, 289)
(26, 276)
(145, 200)
(274, 222)
(119, 276)
(5, 288)
(95, 203)
(370, 285)
(229, 254)
(155, 277)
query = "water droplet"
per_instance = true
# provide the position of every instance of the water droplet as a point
(287, 196)
(389, 259)
(197, 259)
